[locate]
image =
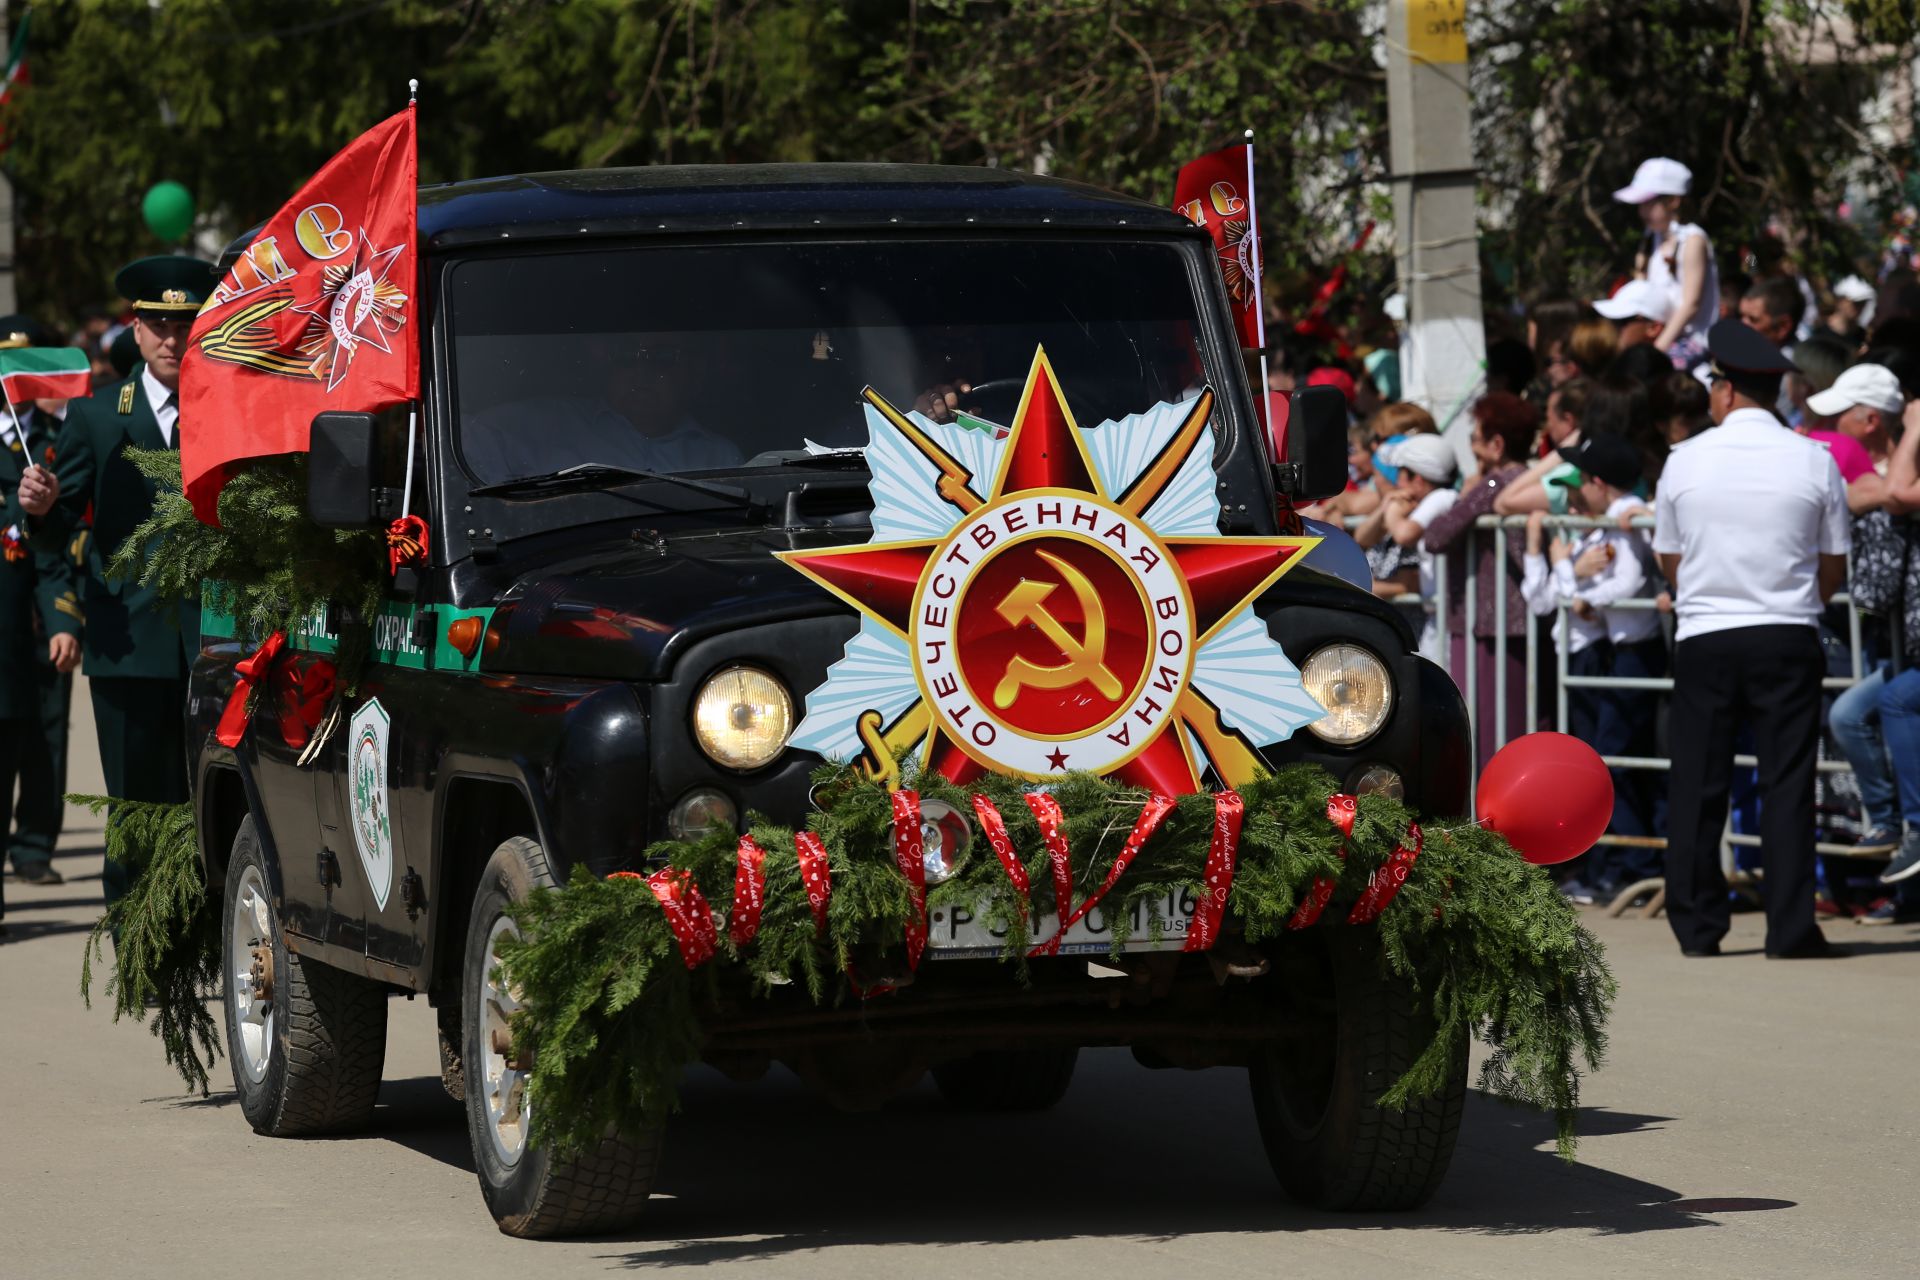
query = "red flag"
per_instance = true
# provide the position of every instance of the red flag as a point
(1216, 192)
(319, 313)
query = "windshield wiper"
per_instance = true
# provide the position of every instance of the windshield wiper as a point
(584, 476)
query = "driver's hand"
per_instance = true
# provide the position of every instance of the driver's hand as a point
(942, 402)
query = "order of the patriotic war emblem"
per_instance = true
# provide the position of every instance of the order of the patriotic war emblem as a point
(1048, 598)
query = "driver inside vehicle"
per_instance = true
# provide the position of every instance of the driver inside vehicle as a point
(645, 416)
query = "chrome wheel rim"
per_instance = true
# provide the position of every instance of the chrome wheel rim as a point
(503, 1085)
(250, 926)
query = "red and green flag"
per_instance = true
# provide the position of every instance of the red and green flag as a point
(44, 373)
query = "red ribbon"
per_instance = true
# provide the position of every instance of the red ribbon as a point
(910, 857)
(1228, 812)
(1386, 881)
(749, 892)
(1047, 813)
(252, 671)
(687, 914)
(815, 875)
(1002, 845)
(1151, 813)
(1341, 810)
(406, 542)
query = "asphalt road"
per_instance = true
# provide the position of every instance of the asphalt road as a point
(1755, 1119)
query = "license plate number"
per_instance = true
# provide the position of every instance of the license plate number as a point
(957, 933)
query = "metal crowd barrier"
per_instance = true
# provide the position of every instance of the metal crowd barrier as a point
(1500, 529)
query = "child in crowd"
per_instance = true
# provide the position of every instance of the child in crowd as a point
(1426, 469)
(1591, 576)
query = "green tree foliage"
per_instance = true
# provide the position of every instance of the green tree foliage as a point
(1770, 101)
(242, 99)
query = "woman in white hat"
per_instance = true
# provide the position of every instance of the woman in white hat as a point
(1678, 258)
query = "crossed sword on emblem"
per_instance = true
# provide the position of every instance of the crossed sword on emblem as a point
(885, 742)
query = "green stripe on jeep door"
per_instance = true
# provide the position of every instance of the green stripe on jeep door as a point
(393, 630)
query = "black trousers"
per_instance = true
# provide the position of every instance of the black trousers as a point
(1768, 678)
(142, 725)
(43, 773)
(13, 735)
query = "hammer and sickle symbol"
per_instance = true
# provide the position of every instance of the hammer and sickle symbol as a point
(1085, 658)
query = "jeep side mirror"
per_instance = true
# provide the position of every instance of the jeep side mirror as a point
(1316, 462)
(340, 471)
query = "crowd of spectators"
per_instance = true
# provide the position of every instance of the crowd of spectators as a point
(1580, 420)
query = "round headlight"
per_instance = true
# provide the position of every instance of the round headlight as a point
(945, 836)
(741, 717)
(699, 811)
(1354, 687)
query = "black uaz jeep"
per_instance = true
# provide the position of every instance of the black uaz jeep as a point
(639, 386)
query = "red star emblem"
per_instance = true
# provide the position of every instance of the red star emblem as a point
(1051, 619)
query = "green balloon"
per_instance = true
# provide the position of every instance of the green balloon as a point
(168, 210)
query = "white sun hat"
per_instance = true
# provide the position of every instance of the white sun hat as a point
(1872, 385)
(1656, 177)
(1637, 298)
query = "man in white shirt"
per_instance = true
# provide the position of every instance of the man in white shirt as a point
(1751, 527)
(1602, 568)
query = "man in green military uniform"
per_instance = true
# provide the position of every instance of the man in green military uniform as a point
(137, 647)
(39, 636)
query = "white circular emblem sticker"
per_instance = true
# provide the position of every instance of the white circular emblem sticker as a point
(367, 791)
(1052, 631)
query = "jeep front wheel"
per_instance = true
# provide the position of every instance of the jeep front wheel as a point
(308, 1042)
(1316, 1094)
(530, 1193)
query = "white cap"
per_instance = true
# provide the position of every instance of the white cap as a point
(1657, 177)
(1637, 298)
(1872, 385)
(1854, 289)
(1424, 454)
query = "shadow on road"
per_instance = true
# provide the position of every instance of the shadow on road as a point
(1130, 1154)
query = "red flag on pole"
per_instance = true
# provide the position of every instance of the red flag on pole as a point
(319, 313)
(1216, 192)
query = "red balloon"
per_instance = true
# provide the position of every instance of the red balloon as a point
(1550, 795)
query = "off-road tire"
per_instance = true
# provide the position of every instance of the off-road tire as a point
(536, 1196)
(1007, 1079)
(1317, 1099)
(329, 1042)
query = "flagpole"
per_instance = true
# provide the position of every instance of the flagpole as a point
(1259, 300)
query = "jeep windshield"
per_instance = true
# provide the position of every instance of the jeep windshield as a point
(696, 359)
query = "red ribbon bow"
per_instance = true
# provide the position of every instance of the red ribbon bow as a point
(688, 915)
(1228, 812)
(1151, 814)
(909, 855)
(300, 693)
(1341, 811)
(749, 891)
(406, 542)
(1386, 881)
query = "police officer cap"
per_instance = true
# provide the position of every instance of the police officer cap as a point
(123, 352)
(166, 284)
(1738, 351)
(1607, 456)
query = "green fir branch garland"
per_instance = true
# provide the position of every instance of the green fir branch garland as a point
(165, 932)
(267, 564)
(610, 1015)
(272, 569)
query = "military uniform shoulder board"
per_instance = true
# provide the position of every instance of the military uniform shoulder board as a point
(126, 398)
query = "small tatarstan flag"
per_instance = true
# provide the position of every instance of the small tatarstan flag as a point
(44, 373)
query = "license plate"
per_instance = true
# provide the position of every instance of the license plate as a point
(956, 933)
